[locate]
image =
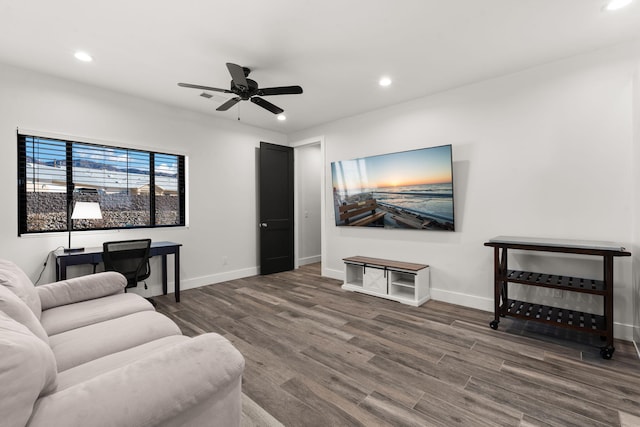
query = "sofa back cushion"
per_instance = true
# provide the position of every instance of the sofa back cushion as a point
(15, 308)
(27, 371)
(12, 277)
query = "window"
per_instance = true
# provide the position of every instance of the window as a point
(135, 188)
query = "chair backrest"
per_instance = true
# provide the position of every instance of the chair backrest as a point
(129, 257)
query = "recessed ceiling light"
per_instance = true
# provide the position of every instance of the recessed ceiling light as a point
(83, 56)
(384, 81)
(282, 117)
(617, 4)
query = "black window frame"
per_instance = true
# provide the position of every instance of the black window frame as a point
(23, 139)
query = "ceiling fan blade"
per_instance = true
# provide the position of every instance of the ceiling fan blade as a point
(282, 90)
(214, 89)
(230, 103)
(237, 75)
(267, 105)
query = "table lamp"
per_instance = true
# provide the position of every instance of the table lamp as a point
(82, 210)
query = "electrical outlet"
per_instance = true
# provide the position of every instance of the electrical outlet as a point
(557, 293)
(225, 260)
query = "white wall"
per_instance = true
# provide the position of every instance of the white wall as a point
(636, 219)
(544, 152)
(221, 173)
(308, 165)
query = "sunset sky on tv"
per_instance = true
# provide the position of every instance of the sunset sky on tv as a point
(424, 166)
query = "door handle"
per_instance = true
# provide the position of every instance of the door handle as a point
(263, 225)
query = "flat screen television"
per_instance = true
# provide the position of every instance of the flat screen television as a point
(409, 189)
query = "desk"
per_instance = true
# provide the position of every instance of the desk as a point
(94, 256)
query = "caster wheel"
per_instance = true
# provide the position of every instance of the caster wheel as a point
(607, 352)
(494, 324)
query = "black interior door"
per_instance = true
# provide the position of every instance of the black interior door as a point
(276, 208)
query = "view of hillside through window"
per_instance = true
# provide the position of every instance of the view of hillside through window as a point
(134, 188)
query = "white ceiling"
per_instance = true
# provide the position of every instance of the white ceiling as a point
(335, 49)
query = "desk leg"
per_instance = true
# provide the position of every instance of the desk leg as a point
(61, 269)
(164, 274)
(176, 273)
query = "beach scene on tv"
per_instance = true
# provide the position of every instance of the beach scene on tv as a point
(409, 189)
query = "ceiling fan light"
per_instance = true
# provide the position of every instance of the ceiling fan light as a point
(83, 56)
(282, 117)
(384, 81)
(617, 4)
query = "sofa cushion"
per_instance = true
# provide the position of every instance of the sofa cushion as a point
(12, 277)
(93, 368)
(77, 346)
(81, 288)
(15, 308)
(64, 318)
(27, 370)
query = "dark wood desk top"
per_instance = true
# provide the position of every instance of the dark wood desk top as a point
(98, 249)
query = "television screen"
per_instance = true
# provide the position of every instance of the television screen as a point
(410, 189)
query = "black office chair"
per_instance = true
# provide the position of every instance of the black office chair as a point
(130, 258)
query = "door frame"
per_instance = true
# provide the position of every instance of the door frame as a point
(318, 140)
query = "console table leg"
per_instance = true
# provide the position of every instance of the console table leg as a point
(608, 302)
(497, 291)
(504, 287)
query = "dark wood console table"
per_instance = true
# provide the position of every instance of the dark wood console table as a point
(587, 322)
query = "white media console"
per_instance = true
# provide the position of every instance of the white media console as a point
(404, 282)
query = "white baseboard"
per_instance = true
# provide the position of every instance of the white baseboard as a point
(155, 289)
(218, 277)
(334, 274)
(471, 301)
(310, 260)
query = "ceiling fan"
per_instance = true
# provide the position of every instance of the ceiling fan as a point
(247, 89)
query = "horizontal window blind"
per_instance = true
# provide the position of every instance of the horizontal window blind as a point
(134, 188)
(42, 185)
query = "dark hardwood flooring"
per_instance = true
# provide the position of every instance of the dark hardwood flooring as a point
(320, 356)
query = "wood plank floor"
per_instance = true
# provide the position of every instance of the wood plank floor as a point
(320, 356)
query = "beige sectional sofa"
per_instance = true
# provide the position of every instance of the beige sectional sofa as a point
(81, 352)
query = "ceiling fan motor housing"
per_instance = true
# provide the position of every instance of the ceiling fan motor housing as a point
(245, 93)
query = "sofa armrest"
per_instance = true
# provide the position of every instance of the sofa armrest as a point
(148, 391)
(81, 289)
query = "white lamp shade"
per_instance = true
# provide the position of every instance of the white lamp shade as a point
(86, 210)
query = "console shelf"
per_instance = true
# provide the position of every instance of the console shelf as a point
(404, 282)
(585, 322)
(557, 316)
(568, 283)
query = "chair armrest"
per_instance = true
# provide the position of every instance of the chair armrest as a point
(81, 289)
(148, 391)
